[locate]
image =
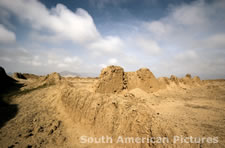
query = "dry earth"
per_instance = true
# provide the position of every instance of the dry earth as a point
(53, 111)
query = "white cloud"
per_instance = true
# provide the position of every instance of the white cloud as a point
(6, 59)
(194, 14)
(42, 60)
(102, 66)
(192, 37)
(63, 60)
(62, 24)
(187, 55)
(150, 46)
(215, 41)
(72, 60)
(6, 36)
(158, 28)
(20, 56)
(32, 60)
(77, 26)
(109, 44)
(113, 61)
(187, 24)
(36, 61)
(62, 65)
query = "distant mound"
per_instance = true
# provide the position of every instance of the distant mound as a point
(174, 81)
(164, 81)
(188, 80)
(30, 76)
(113, 79)
(143, 79)
(17, 75)
(51, 79)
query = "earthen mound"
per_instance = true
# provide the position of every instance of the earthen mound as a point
(188, 76)
(197, 79)
(164, 81)
(111, 80)
(52, 79)
(30, 76)
(107, 114)
(143, 79)
(174, 79)
(114, 115)
(188, 80)
(17, 75)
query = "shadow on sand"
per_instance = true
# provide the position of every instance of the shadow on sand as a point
(7, 86)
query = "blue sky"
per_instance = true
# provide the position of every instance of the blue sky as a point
(166, 36)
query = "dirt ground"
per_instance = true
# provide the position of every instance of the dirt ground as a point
(40, 119)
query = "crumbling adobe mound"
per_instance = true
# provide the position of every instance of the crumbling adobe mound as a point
(164, 81)
(17, 75)
(174, 79)
(188, 76)
(52, 79)
(111, 80)
(188, 80)
(30, 76)
(107, 114)
(197, 79)
(113, 115)
(143, 79)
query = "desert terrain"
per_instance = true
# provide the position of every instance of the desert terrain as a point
(54, 111)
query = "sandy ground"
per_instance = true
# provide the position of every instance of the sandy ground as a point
(39, 119)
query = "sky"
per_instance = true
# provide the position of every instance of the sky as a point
(167, 36)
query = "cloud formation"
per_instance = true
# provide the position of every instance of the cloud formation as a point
(6, 36)
(42, 61)
(103, 3)
(192, 35)
(188, 24)
(148, 45)
(190, 38)
(61, 24)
